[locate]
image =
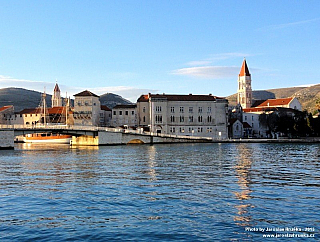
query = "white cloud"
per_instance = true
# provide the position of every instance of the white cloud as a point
(217, 57)
(127, 92)
(7, 81)
(208, 72)
(286, 25)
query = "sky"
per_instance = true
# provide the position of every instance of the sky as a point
(133, 47)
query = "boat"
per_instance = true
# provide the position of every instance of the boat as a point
(47, 138)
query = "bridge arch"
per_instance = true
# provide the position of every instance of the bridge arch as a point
(135, 141)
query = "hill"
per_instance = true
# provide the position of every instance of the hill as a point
(22, 98)
(110, 100)
(306, 95)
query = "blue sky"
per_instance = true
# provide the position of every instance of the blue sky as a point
(135, 47)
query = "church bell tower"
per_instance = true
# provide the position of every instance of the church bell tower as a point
(56, 100)
(244, 87)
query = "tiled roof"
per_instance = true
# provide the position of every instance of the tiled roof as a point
(190, 97)
(259, 109)
(5, 107)
(54, 110)
(246, 125)
(244, 69)
(276, 102)
(105, 108)
(125, 106)
(232, 120)
(85, 93)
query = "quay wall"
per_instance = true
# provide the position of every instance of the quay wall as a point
(118, 138)
(6, 139)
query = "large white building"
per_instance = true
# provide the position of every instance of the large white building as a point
(193, 115)
(86, 109)
(125, 116)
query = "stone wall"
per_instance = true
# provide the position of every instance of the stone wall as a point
(6, 139)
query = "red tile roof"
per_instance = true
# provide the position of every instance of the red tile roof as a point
(54, 110)
(5, 107)
(244, 69)
(105, 108)
(190, 97)
(276, 102)
(259, 109)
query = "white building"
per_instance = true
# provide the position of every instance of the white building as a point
(6, 114)
(86, 109)
(290, 102)
(105, 116)
(193, 115)
(258, 130)
(125, 115)
(235, 129)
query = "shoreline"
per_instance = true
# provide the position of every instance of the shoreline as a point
(281, 140)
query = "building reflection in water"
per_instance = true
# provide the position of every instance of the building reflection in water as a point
(152, 163)
(243, 168)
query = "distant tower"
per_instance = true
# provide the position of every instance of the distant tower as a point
(56, 98)
(244, 86)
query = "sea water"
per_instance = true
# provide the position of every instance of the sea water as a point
(178, 192)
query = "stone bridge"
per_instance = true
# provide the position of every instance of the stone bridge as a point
(89, 135)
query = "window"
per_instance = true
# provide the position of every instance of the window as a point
(172, 130)
(144, 109)
(127, 112)
(181, 109)
(114, 112)
(172, 109)
(158, 118)
(209, 119)
(190, 109)
(200, 119)
(190, 119)
(252, 118)
(200, 110)
(144, 118)
(158, 109)
(172, 118)
(120, 112)
(132, 112)
(245, 117)
(181, 119)
(209, 109)
(209, 130)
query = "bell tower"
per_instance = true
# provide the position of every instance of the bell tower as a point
(244, 86)
(56, 100)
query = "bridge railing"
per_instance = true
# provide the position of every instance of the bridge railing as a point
(57, 127)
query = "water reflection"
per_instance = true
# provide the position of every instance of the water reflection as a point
(151, 162)
(243, 168)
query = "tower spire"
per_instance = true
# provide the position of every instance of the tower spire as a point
(244, 86)
(244, 68)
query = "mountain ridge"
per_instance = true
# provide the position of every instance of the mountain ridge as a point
(22, 98)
